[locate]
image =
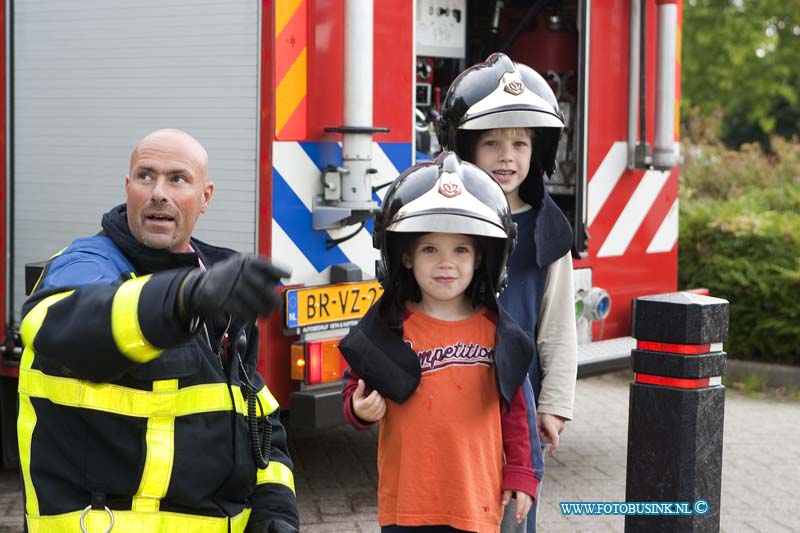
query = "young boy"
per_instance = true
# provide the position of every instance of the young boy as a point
(504, 117)
(437, 362)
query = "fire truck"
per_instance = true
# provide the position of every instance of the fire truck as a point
(309, 109)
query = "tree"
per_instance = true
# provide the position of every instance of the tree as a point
(740, 56)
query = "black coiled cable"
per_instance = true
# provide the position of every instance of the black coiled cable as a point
(260, 427)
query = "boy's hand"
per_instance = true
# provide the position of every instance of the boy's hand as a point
(549, 427)
(524, 502)
(368, 408)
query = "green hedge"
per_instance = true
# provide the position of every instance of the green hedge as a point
(740, 237)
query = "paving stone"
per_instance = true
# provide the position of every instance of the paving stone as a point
(368, 526)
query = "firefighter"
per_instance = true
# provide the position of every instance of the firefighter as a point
(504, 117)
(140, 408)
(438, 362)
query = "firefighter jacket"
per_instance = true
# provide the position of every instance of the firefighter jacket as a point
(124, 412)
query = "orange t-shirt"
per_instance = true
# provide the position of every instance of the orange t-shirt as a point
(440, 453)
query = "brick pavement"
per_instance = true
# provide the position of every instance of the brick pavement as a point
(10, 502)
(336, 477)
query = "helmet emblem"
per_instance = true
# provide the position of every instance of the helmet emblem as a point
(515, 87)
(450, 185)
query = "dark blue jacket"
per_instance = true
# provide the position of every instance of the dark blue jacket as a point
(128, 409)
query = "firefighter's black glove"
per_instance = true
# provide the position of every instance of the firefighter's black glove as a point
(242, 286)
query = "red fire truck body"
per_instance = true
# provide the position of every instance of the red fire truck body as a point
(308, 108)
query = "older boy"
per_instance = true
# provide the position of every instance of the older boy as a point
(504, 117)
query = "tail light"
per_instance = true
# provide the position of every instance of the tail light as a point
(315, 362)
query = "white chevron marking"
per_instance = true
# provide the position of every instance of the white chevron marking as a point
(634, 213)
(299, 171)
(285, 252)
(667, 234)
(605, 178)
(303, 177)
(358, 249)
(386, 170)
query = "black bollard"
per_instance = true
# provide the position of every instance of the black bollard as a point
(676, 413)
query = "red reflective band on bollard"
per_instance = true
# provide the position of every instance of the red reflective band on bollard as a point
(678, 383)
(686, 349)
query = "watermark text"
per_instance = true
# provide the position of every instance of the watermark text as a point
(699, 507)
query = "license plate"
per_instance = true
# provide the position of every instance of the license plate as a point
(329, 306)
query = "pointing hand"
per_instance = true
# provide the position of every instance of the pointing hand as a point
(242, 286)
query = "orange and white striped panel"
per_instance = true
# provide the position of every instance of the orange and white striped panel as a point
(291, 73)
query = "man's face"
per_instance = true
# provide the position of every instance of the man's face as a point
(506, 155)
(167, 189)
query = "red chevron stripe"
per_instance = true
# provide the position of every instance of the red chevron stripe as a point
(290, 42)
(295, 128)
(611, 210)
(658, 212)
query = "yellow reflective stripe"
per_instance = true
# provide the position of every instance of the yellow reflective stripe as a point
(32, 323)
(160, 439)
(26, 422)
(284, 9)
(138, 522)
(125, 401)
(26, 418)
(136, 402)
(125, 322)
(276, 472)
(291, 90)
(268, 400)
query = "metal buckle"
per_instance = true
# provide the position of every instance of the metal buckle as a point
(86, 511)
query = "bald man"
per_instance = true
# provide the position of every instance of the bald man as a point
(140, 405)
(167, 189)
